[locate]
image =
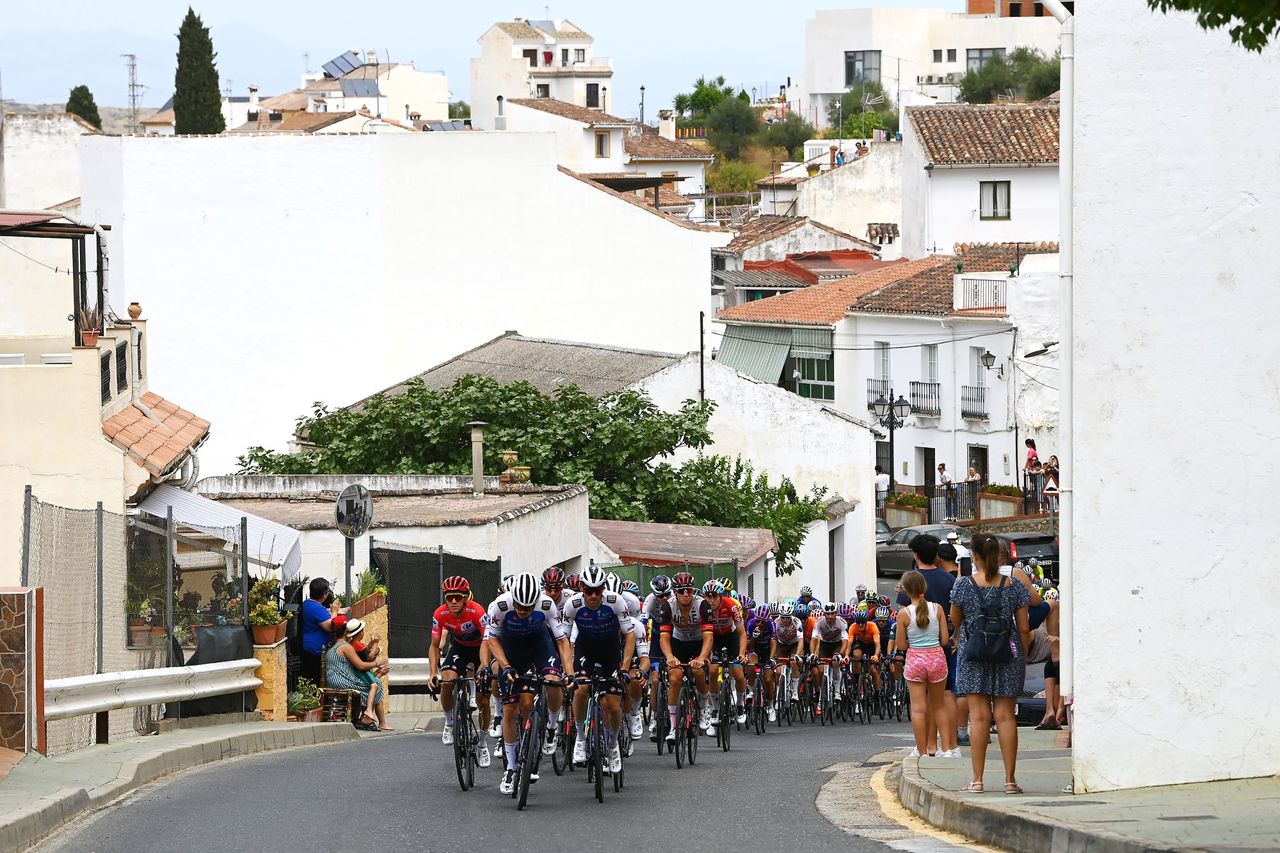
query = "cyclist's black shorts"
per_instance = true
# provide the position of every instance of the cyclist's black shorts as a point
(827, 650)
(457, 658)
(522, 660)
(869, 649)
(685, 650)
(788, 650)
(726, 644)
(607, 655)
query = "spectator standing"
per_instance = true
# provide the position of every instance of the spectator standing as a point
(938, 584)
(922, 631)
(947, 560)
(1031, 468)
(963, 558)
(949, 489)
(882, 489)
(317, 623)
(988, 684)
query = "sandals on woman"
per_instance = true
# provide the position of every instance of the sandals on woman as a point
(972, 788)
(1012, 788)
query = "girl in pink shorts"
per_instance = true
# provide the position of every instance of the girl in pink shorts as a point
(922, 631)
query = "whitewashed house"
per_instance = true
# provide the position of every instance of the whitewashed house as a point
(863, 196)
(772, 238)
(916, 330)
(979, 174)
(916, 54)
(40, 159)
(536, 59)
(821, 447)
(558, 254)
(617, 152)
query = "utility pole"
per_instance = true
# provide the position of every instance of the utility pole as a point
(135, 89)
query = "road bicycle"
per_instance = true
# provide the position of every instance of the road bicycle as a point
(466, 738)
(532, 730)
(724, 700)
(662, 722)
(688, 720)
(599, 685)
(562, 758)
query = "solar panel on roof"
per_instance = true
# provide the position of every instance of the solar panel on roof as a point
(340, 65)
(357, 87)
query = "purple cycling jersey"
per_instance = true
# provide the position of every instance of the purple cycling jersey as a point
(759, 632)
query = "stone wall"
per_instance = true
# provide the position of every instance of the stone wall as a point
(273, 695)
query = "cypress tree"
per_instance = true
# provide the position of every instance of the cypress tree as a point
(80, 102)
(197, 105)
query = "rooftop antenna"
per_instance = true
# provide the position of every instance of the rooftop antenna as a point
(306, 63)
(135, 89)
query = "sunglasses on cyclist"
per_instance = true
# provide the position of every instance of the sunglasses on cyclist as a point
(593, 590)
(455, 597)
(684, 590)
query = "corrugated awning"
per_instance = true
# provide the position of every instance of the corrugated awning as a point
(758, 351)
(21, 220)
(270, 541)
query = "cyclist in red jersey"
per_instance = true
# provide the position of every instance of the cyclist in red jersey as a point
(730, 638)
(464, 619)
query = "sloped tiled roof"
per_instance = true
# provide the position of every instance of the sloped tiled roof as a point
(670, 544)
(547, 364)
(648, 144)
(826, 303)
(987, 134)
(766, 279)
(633, 199)
(155, 445)
(519, 30)
(762, 229)
(287, 102)
(296, 122)
(668, 198)
(932, 291)
(564, 109)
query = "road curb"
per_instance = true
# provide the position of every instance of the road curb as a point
(1010, 830)
(29, 824)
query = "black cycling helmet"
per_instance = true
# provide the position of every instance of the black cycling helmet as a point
(660, 584)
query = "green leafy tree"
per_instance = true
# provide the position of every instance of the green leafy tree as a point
(733, 176)
(864, 96)
(731, 127)
(1026, 74)
(707, 95)
(863, 125)
(197, 104)
(1253, 23)
(459, 109)
(791, 134)
(618, 446)
(80, 102)
(681, 104)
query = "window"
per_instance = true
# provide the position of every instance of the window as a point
(980, 56)
(122, 367)
(993, 200)
(564, 56)
(544, 90)
(602, 144)
(937, 56)
(1039, 7)
(976, 368)
(532, 56)
(717, 262)
(1015, 10)
(951, 54)
(929, 362)
(593, 96)
(138, 372)
(580, 54)
(104, 373)
(882, 457)
(670, 185)
(882, 360)
(861, 65)
(817, 378)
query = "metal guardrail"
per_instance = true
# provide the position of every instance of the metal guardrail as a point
(91, 694)
(407, 671)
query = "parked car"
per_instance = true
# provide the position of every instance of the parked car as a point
(1025, 544)
(883, 531)
(894, 557)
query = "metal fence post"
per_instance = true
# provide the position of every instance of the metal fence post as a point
(244, 570)
(98, 516)
(168, 587)
(26, 535)
(440, 568)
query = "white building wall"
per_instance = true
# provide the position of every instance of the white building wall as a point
(425, 92)
(575, 142)
(862, 191)
(950, 436)
(39, 160)
(915, 198)
(1175, 300)
(953, 208)
(816, 447)
(315, 318)
(694, 173)
(1034, 308)
(553, 535)
(499, 70)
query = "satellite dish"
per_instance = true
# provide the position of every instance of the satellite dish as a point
(355, 511)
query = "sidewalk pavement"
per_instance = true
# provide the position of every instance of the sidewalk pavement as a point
(40, 793)
(1234, 814)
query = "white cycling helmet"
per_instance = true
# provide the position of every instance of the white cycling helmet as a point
(593, 577)
(612, 582)
(525, 590)
(786, 609)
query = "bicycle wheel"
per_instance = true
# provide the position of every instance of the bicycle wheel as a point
(728, 717)
(900, 701)
(691, 742)
(596, 746)
(682, 733)
(530, 749)
(461, 757)
(617, 777)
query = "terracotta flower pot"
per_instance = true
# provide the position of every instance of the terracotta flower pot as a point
(89, 339)
(281, 628)
(135, 310)
(139, 635)
(313, 716)
(264, 635)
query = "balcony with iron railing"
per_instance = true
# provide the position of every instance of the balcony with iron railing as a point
(973, 402)
(987, 292)
(876, 388)
(926, 399)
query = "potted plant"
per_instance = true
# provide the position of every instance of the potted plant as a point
(264, 616)
(136, 612)
(90, 326)
(304, 701)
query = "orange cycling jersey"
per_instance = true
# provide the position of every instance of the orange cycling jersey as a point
(726, 618)
(865, 634)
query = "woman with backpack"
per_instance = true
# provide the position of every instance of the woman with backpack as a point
(990, 613)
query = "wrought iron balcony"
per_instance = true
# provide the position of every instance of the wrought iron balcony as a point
(926, 399)
(973, 402)
(877, 388)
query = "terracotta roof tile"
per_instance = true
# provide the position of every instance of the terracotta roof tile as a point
(826, 303)
(155, 445)
(982, 134)
(762, 229)
(933, 291)
(564, 109)
(649, 145)
(672, 544)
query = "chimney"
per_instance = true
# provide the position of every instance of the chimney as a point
(833, 156)
(253, 97)
(477, 457)
(666, 124)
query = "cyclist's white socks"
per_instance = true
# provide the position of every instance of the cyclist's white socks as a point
(510, 749)
(672, 710)
(448, 718)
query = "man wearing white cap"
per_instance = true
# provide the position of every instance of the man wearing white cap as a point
(963, 556)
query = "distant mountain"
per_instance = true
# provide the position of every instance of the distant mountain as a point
(114, 119)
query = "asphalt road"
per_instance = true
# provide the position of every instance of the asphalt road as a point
(400, 792)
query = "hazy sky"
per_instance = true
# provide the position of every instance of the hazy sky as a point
(45, 49)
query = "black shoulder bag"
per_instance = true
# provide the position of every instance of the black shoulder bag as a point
(988, 640)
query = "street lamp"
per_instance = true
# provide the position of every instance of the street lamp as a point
(891, 416)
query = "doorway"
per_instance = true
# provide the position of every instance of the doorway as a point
(977, 459)
(928, 467)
